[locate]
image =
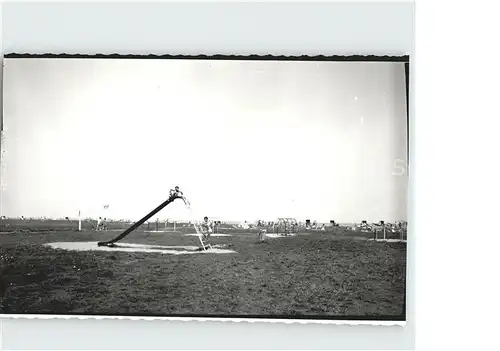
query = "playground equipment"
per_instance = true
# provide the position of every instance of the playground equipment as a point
(391, 231)
(397, 231)
(174, 195)
(379, 227)
(285, 226)
(204, 231)
(364, 227)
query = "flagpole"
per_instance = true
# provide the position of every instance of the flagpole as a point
(104, 215)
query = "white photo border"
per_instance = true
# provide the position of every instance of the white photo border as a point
(365, 42)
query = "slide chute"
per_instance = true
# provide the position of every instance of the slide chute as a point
(174, 194)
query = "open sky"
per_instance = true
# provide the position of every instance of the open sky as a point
(243, 139)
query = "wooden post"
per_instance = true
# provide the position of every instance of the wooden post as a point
(79, 221)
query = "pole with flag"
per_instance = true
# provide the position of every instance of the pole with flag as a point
(104, 217)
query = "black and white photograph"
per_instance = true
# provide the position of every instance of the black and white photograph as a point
(270, 188)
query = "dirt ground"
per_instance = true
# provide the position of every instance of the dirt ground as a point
(312, 275)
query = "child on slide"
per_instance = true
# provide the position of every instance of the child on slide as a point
(176, 193)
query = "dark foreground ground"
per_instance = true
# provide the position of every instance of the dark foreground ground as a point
(312, 274)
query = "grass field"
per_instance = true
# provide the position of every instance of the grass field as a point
(311, 275)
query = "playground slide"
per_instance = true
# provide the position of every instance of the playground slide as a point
(140, 222)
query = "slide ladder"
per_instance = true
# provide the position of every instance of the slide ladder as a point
(199, 231)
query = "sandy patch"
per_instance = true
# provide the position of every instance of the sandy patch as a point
(126, 247)
(279, 236)
(160, 231)
(210, 235)
(390, 240)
